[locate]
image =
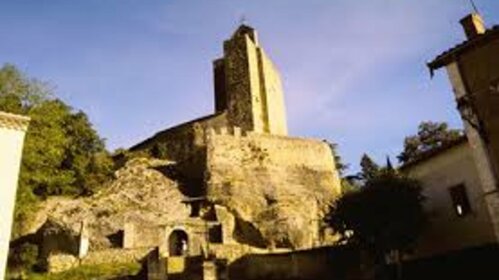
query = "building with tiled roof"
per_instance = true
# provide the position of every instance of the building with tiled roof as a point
(460, 179)
(458, 213)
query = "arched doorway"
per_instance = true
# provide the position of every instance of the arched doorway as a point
(178, 243)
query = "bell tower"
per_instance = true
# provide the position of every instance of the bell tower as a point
(248, 86)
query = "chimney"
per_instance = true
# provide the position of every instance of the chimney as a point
(473, 25)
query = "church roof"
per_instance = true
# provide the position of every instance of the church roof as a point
(451, 54)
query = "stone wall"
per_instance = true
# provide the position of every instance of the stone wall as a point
(233, 252)
(252, 85)
(184, 144)
(196, 231)
(219, 85)
(138, 236)
(242, 80)
(61, 262)
(180, 138)
(276, 187)
(316, 264)
(275, 109)
(143, 236)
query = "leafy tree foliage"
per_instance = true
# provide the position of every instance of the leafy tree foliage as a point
(385, 215)
(63, 154)
(44, 150)
(19, 93)
(347, 184)
(86, 157)
(369, 168)
(340, 165)
(431, 135)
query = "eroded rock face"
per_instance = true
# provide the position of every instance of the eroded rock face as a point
(278, 188)
(273, 191)
(273, 216)
(141, 194)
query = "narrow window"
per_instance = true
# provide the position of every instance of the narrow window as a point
(460, 201)
(195, 208)
(215, 234)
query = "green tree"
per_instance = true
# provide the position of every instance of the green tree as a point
(62, 155)
(430, 135)
(385, 216)
(86, 157)
(18, 93)
(44, 149)
(341, 167)
(369, 168)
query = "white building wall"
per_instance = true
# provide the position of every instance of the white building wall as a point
(480, 151)
(447, 231)
(12, 131)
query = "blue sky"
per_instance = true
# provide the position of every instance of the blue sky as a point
(353, 71)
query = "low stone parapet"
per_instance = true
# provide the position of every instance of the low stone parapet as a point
(232, 252)
(62, 262)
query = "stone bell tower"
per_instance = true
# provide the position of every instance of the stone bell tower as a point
(248, 87)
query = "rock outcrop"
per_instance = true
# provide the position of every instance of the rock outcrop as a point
(274, 190)
(278, 188)
(141, 193)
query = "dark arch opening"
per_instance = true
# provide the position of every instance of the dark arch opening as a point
(178, 243)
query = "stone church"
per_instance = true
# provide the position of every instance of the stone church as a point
(220, 186)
